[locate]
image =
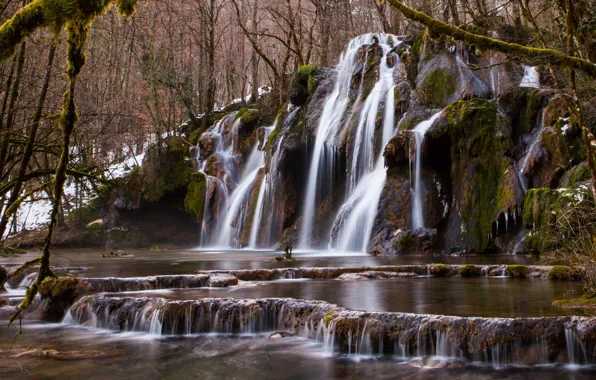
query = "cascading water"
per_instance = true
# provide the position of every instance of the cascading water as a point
(323, 153)
(223, 146)
(531, 77)
(232, 206)
(418, 199)
(366, 174)
(256, 222)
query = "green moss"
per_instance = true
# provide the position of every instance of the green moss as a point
(469, 270)
(565, 273)
(440, 270)
(195, 135)
(194, 201)
(518, 271)
(166, 171)
(405, 241)
(438, 86)
(417, 46)
(576, 303)
(480, 167)
(328, 317)
(303, 85)
(58, 287)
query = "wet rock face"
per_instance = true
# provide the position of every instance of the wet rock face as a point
(394, 213)
(492, 340)
(222, 280)
(367, 73)
(3, 278)
(397, 151)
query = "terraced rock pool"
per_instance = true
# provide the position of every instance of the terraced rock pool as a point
(482, 297)
(418, 327)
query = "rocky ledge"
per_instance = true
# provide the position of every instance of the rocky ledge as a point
(499, 341)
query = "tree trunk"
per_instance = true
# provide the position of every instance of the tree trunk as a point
(5, 132)
(28, 151)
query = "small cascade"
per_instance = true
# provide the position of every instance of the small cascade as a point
(223, 142)
(500, 342)
(224, 220)
(229, 235)
(533, 142)
(418, 199)
(353, 222)
(256, 222)
(531, 77)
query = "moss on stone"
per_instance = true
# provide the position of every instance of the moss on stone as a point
(60, 294)
(405, 240)
(194, 201)
(303, 84)
(439, 270)
(469, 270)
(576, 303)
(195, 135)
(564, 273)
(518, 271)
(166, 171)
(328, 317)
(480, 167)
(437, 87)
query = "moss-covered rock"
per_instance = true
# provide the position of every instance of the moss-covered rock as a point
(522, 105)
(484, 181)
(59, 294)
(436, 88)
(166, 169)
(194, 202)
(303, 85)
(440, 270)
(328, 317)
(469, 270)
(565, 273)
(518, 271)
(576, 303)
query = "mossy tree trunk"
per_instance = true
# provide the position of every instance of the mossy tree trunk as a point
(529, 54)
(78, 16)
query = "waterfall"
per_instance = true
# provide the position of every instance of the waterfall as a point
(418, 199)
(271, 206)
(531, 77)
(223, 146)
(534, 140)
(331, 117)
(256, 222)
(366, 175)
(232, 190)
